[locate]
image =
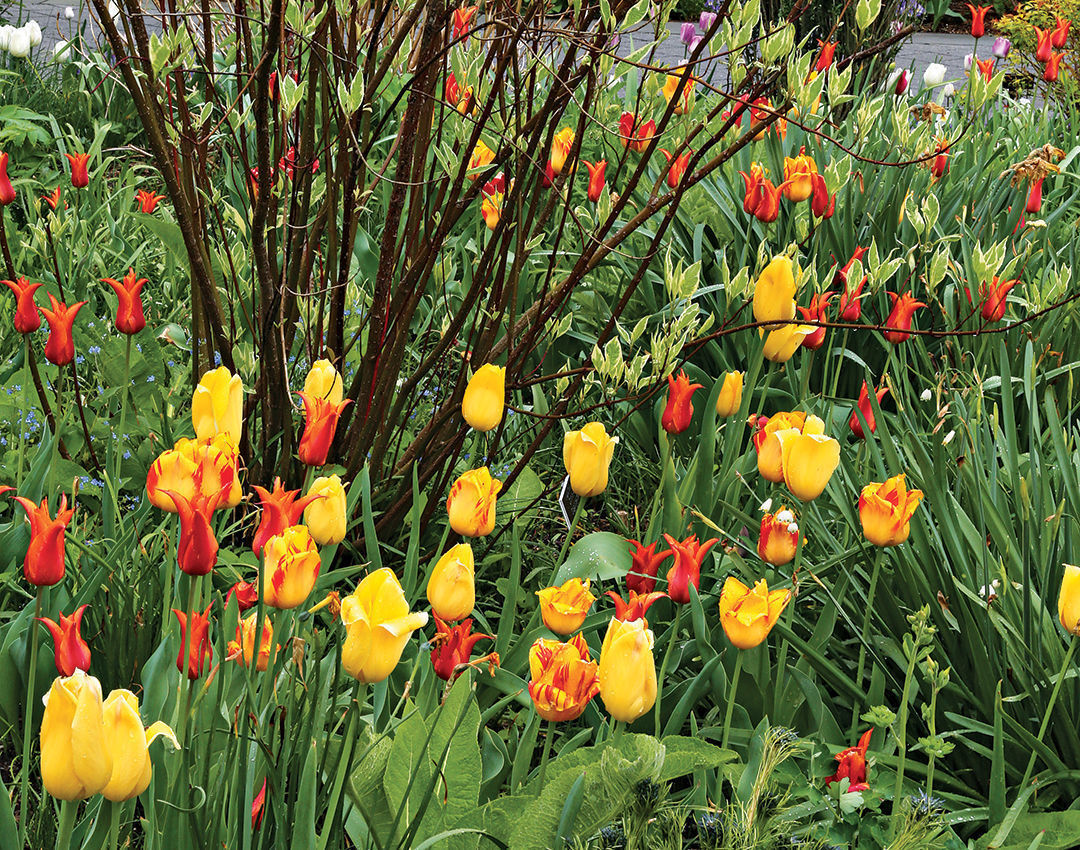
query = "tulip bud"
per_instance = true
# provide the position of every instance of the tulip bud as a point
(76, 763)
(587, 456)
(451, 590)
(378, 624)
(71, 652)
(324, 381)
(730, 399)
(291, 566)
(471, 503)
(564, 608)
(217, 406)
(774, 293)
(934, 75)
(482, 405)
(128, 743)
(1001, 47)
(1069, 600)
(325, 515)
(902, 80)
(627, 670)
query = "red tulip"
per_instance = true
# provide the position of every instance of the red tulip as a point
(978, 19)
(852, 765)
(288, 162)
(851, 302)
(680, 408)
(453, 647)
(986, 68)
(1044, 44)
(7, 191)
(769, 209)
(940, 164)
(816, 313)
(822, 204)
(644, 567)
(1053, 67)
(27, 318)
(246, 595)
(755, 194)
(636, 606)
(462, 21)
(627, 123)
(841, 276)
(147, 201)
(1060, 34)
(903, 80)
(994, 299)
(43, 565)
(80, 179)
(60, 346)
(321, 419)
(596, 179)
(866, 410)
(280, 510)
(687, 569)
(196, 553)
(129, 310)
(1034, 199)
(825, 57)
(71, 652)
(677, 167)
(899, 321)
(198, 644)
(258, 803)
(53, 199)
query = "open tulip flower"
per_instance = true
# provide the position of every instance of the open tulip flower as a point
(564, 608)
(27, 317)
(320, 423)
(1069, 600)
(453, 647)
(808, 458)
(778, 540)
(242, 648)
(563, 678)
(587, 456)
(852, 765)
(885, 511)
(816, 312)
(129, 310)
(863, 407)
(627, 670)
(484, 399)
(198, 643)
(217, 407)
(280, 510)
(71, 652)
(899, 320)
(60, 346)
(635, 607)
(978, 19)
(774, 293)
(147, 201)
(1044, 41)
(324, 381)
(80, 177)
(799, 174)
(1059, 37)
(76, 761)
(689, 554)
(767, 210)
(754, 193)
(378, 624)
(645, 565)
(291, 563)
(679, 409)
(43, 565)
(246, 595)
(129, 744)
(748, 615)
(451, 590)
(325, 515)
(730, 399)
(206, 467)
(471, 503)
(462, 21)
(677, 166)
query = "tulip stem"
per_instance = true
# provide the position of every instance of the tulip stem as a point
(1049, 709)
(901, 744)
(24, 407)
(69, 809)
(865, 632)
(732, 690)
(672, 638)
(546, 752)
(114, 824)
(31, 675)
(185, 683)
(123, 414)
(570, 533)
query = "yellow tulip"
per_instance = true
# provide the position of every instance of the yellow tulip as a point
(560, 149)
(769, 454)
(129, 742)
(774, 293)
(75, 763)
(471, 503)
(1069, 600)
(324, 381)
(451, 589)
(378, 624)
(587, 455)
(482, 405)
(291, 564)
(627, 670)
(325, 517)
(730, 398)
(671, 84)
(218, 405)
(799, 174)
(563, 609)
(749, 615)
(809, 459)
(782, 343)
(886, 510)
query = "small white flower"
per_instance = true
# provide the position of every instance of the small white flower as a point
(766, 505)
(934, 75)
(949, 90)
(785, 516)
(948, 438)
(19, 43)
(35, 32)
(793, 528)
(69, 13)
(926, 395)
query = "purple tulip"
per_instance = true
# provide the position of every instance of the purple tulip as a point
(694, 42)
(689, 31)
(706, 21)
(1001, 47)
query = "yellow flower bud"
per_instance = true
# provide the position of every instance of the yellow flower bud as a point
(378, 624)
(482, 405)
(324, 381)
(587, 455)
(1069, 600)
(128, 742)
(291, 564)
(325, 517)
(730, 398)
(218, 405)
(749, 615)
(774, 292)
(75, 763)
(627, 670)
(471, 503)
(564, 608)
(451, 589)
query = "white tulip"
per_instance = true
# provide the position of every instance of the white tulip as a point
(934, 75)
(926, 395)
(35, 32)
(5, 36)
(19, 43)
(949, 90)
(63, 51)
(69, 13)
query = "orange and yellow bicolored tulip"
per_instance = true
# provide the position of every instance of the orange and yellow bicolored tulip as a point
(560, 149)
(291, 565)
(748, 615)
(627, 670)
(471, 503)
(587, 456)
(563, 678)
(799, 174)
(778, 540)
(242, 647)
(320, 424)
(281, 509)
(482, 156)
(885, 511)
(686, 101)
(564, 608)
(378, 624)
(207, 467)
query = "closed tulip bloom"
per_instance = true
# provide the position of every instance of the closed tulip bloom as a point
(754, 192)
(677, 167)
(1069, 600)
(217, 407)
(560, 149)
(453, 647)
(491, 206)
(587, 455)
(822, 204)
(129, 310)
(197, 550)
(799, 174)
(782, 343)
(43, 565)
(174, 471)
(80, 179)
(147, 201)
(75, 761)
(686, 570)
(770, 455)
(671, 85)
(471, 503)
(866, 410)
(851, 302)
(778, 539)
(482, 157)
(899, 320)
(320, 424)
(636, 606)
(324, 381)
(768, 210)
(1034, 200)
(129, 745)
(680, 409)
(903, 80)
(978, 19)
(7, 191)
(994, 298)
(564, 608)
(280, 510)
(70, 651)
(627, 670)
(484, 400)
(596, 179)
(627, 125)
(1001, 48)
(645, 564)
(451, 590)
(749, 615)
(774, 293)
(1060, 34)
(378, 624)
(730, 399)
(325, 514)
(563, 678)
(198, 644)
(809, 460)
(840, 279)
(1044, 40)
(816, 312)
(60, 346)
(825, 56)
(242, 647)
(885, 511)
(1053, 67)
(27, 318)
(462, 21)
(291, 563)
